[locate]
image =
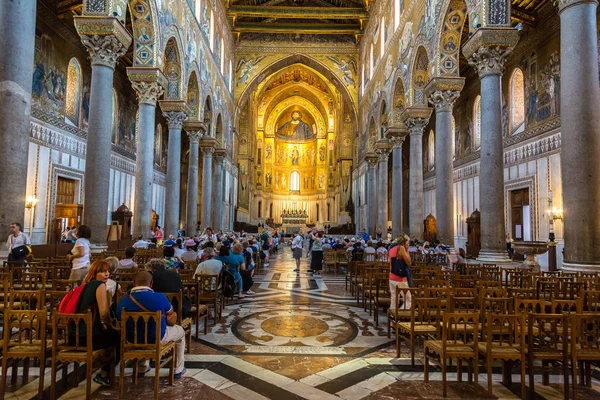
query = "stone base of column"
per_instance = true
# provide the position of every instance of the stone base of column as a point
(571, 266)
(493, 256)
(98, 248)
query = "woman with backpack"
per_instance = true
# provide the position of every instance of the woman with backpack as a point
(236, 263)
(94, 297)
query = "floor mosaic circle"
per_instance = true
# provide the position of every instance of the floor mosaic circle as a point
(295, 328)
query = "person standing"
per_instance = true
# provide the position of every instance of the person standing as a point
(80, 254)
(316, 260)
(158, 235)
(297, 250)
(71, 235)
(16, 243)
(399, 251)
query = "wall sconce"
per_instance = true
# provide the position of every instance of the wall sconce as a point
(30, 202)
(556, 213)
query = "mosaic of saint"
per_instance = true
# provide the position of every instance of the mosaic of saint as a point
(296, 125)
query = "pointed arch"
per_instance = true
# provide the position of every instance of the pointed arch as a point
(193, 96)
(173, 69)
(398, 100)
(453, 22)
(219, 129)
(73, 93)
(517, 100)
(431, 150)
(208, 115)
(383, 119)
(477, 122)
(420, 76)
(372, 135)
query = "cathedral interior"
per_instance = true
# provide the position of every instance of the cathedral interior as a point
(439, 119)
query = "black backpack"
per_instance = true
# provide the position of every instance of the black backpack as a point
(228, 283)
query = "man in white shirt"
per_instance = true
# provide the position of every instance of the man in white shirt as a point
(141, 243)
(210, 266)
(297, 244)
(16, 239)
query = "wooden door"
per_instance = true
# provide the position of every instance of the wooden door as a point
(518, 199)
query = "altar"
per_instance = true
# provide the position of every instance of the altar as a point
(293, 221)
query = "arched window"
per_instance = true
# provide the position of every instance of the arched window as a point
(222, 58)
(198, 9)
(431, 150)
(398, 4)
(158, 144)
(115, 110)
(73, 95)
(295, 181)
(371, 61)
(382, 38)
(212, 31)
(477, 122)
(517, 101)
(453, 138)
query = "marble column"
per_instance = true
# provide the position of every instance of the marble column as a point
(17, 30)
(372, 194)
(207, 164)
(416, 124)
(580, 125)
(489, 64)
(175, 120)
(382, 191)
(104, 52)
(397, 185)
(147, 93)
(442, 93)
(192, 184)
(217, 198)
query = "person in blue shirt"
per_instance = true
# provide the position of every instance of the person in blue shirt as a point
(143, 299)
(364, 235)
(236, 262)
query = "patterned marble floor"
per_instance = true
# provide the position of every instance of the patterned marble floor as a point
(300, 337)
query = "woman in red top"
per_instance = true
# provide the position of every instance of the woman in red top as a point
(399, 251)
(159, 236)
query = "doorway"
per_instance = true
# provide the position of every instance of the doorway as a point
(520, 214)
(67, 212)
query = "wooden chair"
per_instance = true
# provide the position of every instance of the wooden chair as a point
(424, 323)
(530, 306)
(187, 275)
(69, 346)
(191, 290)
(176, 300)
(209, 294)
(61, 272)
(330, 261)
(547, 341)
(401, 313)
(64, 284)
(503, 338)
(29, 342)
(460, 340)
(591, 301)
(135, 346)
(585, 347)
(342, 260)
(382, 294)
(26, 299)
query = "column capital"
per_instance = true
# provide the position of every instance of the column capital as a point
(220, 155)
(195, 126)
(105, 38)
(397, 141)
(564, 4)
(371, 159)
(148, 83)
(175, 119)
(383, 147)
(488, 48)
(416, 119)
(194, 136)
(207, 151)
(442, 92)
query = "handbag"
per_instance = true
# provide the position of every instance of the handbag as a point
(399, 267)
(20, 251)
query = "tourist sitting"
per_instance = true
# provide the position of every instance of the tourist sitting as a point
(111, 285)
(142, 298)
(171, 261)
(190, 254)
(412, 247)
(236, 263)
(459, 258)
(381, 249)
(94, 298)
(210, 266)
(141, 243)
(128, 262)
(364, 235)
(178, 247)
(370, 252)
(326, 244)
(168, 281)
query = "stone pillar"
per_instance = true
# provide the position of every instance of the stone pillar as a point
(383, 148)
(207, 157)
(486, 51)
(192, 184)
(580, 125)
(175, 121)
(372, 194)
(106, 40)
(217, 198)
(148, 93)
(416, 119)
(442, 93)
(17, 30)
(397, 140)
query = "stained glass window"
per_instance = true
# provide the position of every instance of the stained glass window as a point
(295, 181)
(517, 99)
(477, 122)
(73, 96)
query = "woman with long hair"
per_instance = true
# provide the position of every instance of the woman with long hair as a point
(316, 260)
(95, 298)
(80, 254)
(400, 251)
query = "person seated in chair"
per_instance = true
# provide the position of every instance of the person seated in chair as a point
(142, 298)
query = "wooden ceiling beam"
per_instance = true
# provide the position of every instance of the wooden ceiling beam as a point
(297, 12)
(325, 29)
(524, 16)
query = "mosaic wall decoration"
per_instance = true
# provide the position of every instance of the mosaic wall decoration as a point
(449, 51)
(420, 77)
(172, 69)
(49, 83)
(193, 95)
(73, 94)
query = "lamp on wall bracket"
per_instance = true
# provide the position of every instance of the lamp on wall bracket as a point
(30, 202)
